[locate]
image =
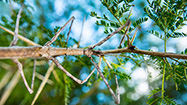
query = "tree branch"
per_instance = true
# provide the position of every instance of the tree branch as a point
(152, 53)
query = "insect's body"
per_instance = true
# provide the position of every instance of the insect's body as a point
(36, 51)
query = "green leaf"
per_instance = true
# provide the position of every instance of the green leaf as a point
(153, 92)
(128, 1)
(153, 100)
(112, 24)
(185, 51)
(169, 101)
(121, 75)
(139, 21)
(103, 22)
(106, 31)
(177, 34)
(156, 34)
(117, 66)
(93, 14)
(4, 19)
(105, 16)
(111, 30)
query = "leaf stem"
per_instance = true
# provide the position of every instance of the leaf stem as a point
(163, 78)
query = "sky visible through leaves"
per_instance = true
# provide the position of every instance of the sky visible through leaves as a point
(62, 10)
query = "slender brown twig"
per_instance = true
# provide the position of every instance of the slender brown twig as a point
(11, 85)
(110, 35)
(20, 37)
(58, 33)
(81, 32)
(117, 85)
(125, 34)
(50, 69)
(69, 30)
(117, 100)
(33, 74)
(132, 40)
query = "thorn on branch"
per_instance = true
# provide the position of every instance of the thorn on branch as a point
(131, 47)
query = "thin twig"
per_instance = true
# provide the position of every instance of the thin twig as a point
(33, 74)
(179, 62)
(58, 33)
(81, 31)
(51, 67)
(117, 90)
(109, 65)
(128, 26)
(102, 76)
(20, 37)
(99, 65)
(10, 88)
(5, 79)
(41, 77)
(110, 35)
(132, 40)
(69, 30)
(158, 54)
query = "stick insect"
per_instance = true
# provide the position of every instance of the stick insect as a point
(43, 51)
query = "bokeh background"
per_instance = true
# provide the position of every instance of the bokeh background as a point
(40, 20)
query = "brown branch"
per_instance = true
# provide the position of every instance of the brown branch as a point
(158, 54)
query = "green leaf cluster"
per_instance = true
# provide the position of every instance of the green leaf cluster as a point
(169, 16)
(154, 99)
(177, 73)
(121, 12)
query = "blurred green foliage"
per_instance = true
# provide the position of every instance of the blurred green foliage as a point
(35, 24)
